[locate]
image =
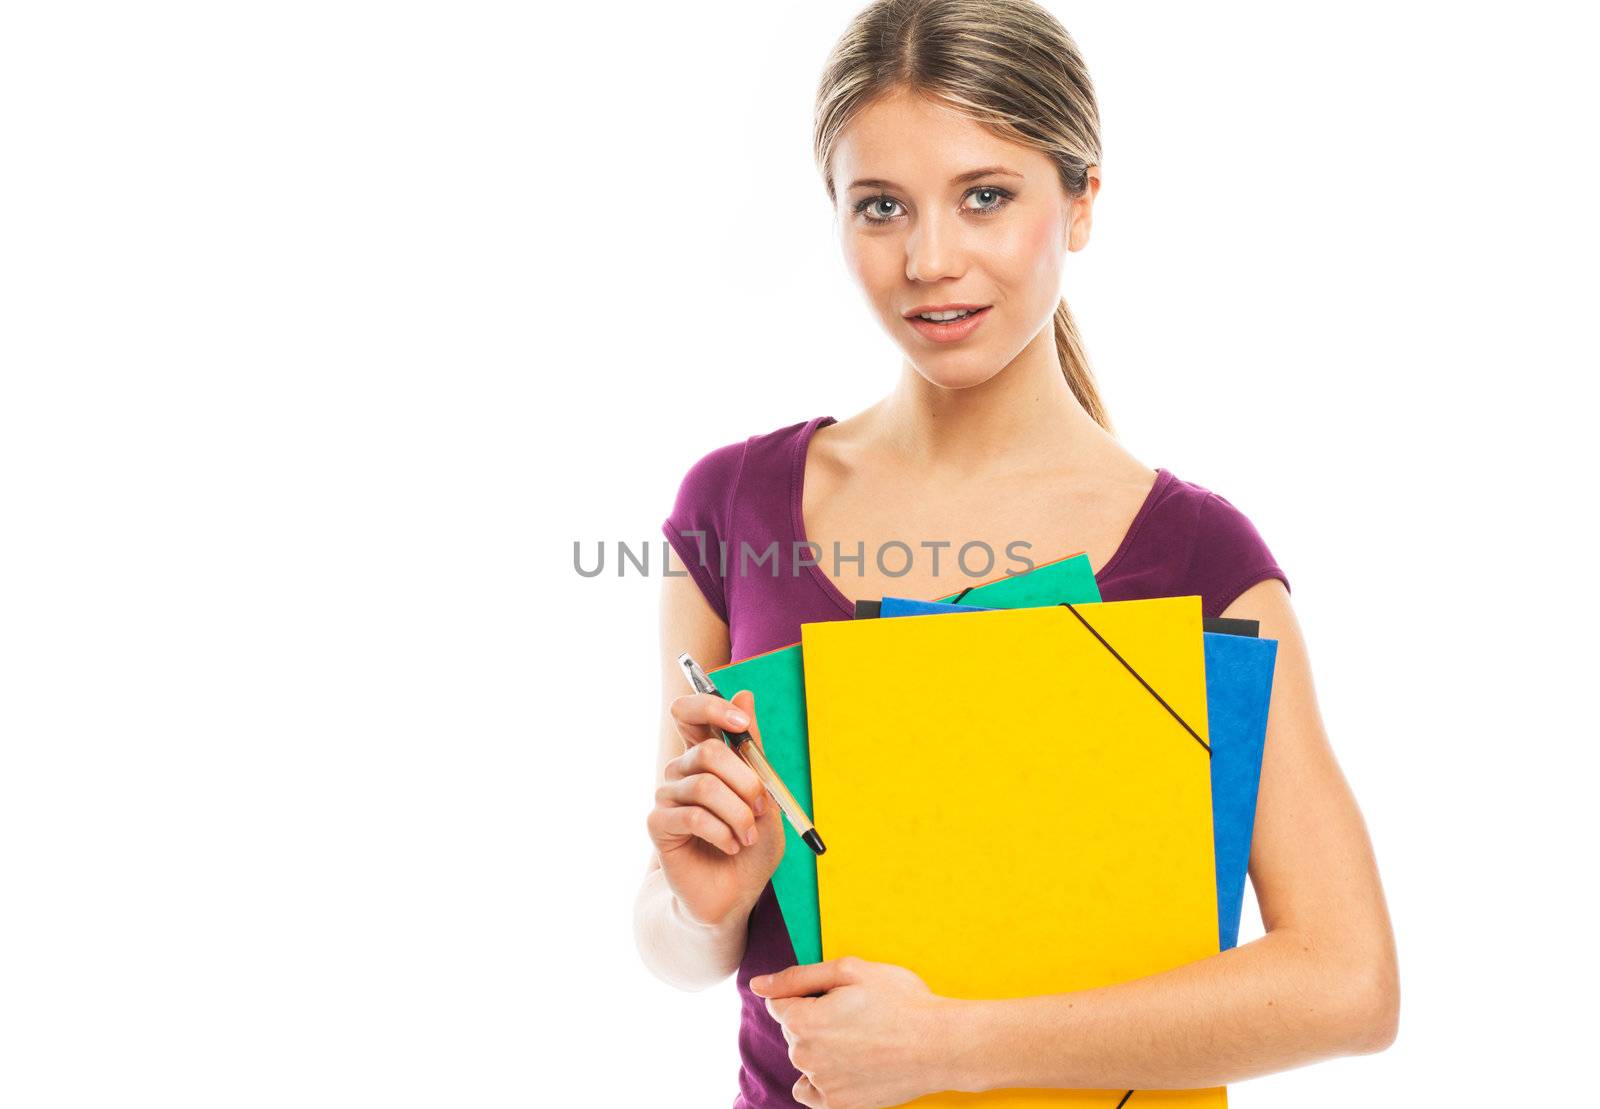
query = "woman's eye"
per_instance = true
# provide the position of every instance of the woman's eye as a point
(991, 199)
(878, 209)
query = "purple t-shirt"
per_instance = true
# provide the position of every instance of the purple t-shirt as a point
(1185, 540)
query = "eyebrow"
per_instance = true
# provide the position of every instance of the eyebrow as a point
(970, 175)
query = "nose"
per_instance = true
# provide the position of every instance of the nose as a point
(933, 249)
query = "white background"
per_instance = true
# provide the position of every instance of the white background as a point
(328, 328)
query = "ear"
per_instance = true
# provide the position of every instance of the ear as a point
(1081, 212)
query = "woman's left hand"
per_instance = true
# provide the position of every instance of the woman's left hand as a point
(871, 1040)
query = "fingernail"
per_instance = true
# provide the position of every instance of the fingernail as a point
(760, 806)
(759, 982)
(738, 719)
(749, 837)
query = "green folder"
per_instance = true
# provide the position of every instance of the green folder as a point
(777, 679)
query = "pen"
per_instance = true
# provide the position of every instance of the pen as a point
(743, 746)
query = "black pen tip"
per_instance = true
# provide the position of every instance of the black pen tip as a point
(814, 841)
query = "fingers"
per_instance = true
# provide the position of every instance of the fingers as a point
(778, 1009)
(806, 979)
(698, 715)
(709, 778)
(710, 792)
(807, 1094)
(708, 757)
(745, 700)
(682, 822)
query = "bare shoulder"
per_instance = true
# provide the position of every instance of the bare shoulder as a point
(1109, 466)
(1267, 601)
(1118, 484)
(1294, 701)
(850, 444)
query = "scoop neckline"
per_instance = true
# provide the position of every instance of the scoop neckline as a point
(797, 482)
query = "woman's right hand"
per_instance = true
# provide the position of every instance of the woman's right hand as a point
(709, 804)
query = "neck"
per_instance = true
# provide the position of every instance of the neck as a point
(1024, 417)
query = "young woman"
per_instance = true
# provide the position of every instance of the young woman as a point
(958, 140)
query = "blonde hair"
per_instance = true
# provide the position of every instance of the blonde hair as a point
(1006, 64)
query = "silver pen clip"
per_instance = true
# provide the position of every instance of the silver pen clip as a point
(697, 677)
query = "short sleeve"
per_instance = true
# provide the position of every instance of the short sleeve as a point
(1229, 556)
(697, 527)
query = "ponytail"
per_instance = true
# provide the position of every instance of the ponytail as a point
(1075, 365)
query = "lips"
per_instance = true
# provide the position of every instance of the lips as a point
(953, 331)
(921, 308)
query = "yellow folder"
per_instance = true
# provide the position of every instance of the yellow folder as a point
(1017, 802)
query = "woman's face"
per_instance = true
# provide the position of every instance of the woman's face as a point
(922, 227)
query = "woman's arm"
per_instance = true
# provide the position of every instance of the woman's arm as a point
(1322, 982)
(716, 839)
(676, 947)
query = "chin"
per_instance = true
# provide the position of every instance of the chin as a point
(954, 373)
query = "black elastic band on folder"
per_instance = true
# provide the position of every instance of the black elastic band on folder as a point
(1194, 734)
(957, 599)
(1124, 1100)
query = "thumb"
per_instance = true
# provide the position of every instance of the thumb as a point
(804, 980)
(746, 700)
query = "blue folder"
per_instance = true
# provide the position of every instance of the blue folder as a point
(1238, 692)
